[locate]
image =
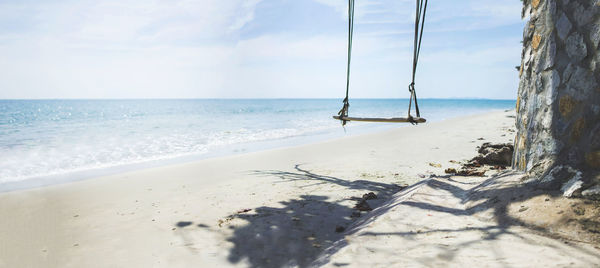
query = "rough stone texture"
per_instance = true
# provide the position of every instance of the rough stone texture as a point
(595, 34)
(592, 192)
(563, 26)
(576, 48)
(571, 186)
(558, 111)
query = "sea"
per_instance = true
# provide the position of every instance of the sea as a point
(44, 142)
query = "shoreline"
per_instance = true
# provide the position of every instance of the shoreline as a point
(226, 151)
(209, 211)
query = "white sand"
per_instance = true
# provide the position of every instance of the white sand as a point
(180, 216)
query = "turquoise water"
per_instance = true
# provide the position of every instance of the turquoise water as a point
(55, 139)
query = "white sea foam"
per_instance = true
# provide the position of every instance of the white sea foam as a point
(46, 138)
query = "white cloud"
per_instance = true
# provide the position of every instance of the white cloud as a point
(132, 22)
(442, 16)
(157, 48)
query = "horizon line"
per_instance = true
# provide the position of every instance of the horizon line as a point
(105, 99)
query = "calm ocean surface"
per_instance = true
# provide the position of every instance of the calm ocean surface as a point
(49, 141)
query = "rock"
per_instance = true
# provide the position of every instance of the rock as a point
(552, 8)
(535, 41)
(551, 81)
(592, 192)
(593, 159)
(595, 109)
(339, 229)
(584, 15)
(576, 48)
(572, 185)
(595, 36)
(527, 32)
(566, 105)
(547, 60)
(563, 26)
(583, 81)
(558, 174)
(539, 86)
(567, 73)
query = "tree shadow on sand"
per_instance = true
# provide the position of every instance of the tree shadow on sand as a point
(296, 233)
(492, 196)
(307, 230)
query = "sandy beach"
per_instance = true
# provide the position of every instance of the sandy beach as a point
(284, 207)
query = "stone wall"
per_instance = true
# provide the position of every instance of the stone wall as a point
(558, 104)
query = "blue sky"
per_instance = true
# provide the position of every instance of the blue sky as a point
(255, 49)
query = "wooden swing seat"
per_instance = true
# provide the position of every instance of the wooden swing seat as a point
(382, 120)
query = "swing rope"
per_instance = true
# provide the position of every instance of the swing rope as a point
(344, 111)
(421, 9)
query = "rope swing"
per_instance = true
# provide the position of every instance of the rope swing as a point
(421, 10)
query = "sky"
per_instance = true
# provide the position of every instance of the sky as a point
(255, 49)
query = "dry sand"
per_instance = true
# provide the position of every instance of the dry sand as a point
(195, 214)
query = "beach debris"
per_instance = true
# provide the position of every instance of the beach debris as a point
(229, 218)
(495, 154)
(369, 196)
(466, 171)
(339, 229)
(450, 171)
(435, 165)
(471, 172)
(498, 168)
(243, 210)
(472, 164)
(590, 225)
(183, 224)
(523, 208)
(579, 211)
(363, 206)
(498, 156)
